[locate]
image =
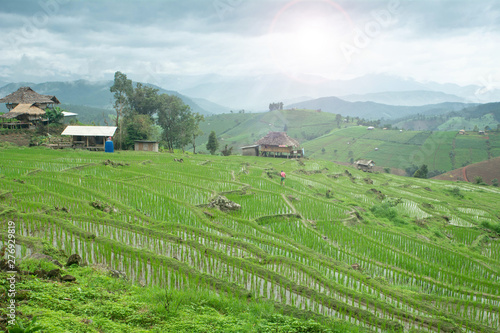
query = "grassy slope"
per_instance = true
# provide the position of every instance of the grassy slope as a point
(318, 130)
(421, 244)
(97, 302)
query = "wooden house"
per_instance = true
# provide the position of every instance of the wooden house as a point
(89, 137)
(26, 95)
(279, 144)
(143, 145)
(26, 114)
(365, 165)
(252, 150)
(27, 106)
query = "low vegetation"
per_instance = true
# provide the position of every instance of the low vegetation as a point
(333, 250)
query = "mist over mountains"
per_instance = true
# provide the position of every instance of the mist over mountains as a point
(372, 96)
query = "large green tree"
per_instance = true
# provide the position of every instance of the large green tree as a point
(137, 127)
(176, 120)
(212, 144)
(122, 89)
(144, 100)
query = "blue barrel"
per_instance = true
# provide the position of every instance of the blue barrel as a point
(108, 147)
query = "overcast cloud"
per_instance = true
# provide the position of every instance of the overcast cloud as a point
(429, 40)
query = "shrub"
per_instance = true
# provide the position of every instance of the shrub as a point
(494, 227)
(386, 210)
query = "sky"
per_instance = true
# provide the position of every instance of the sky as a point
(427, 40)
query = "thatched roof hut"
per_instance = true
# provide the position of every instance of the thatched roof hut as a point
(26, 95)
(279, 144)
(30, 110)
(278, 139)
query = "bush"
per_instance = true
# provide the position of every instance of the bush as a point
(494, 227)
(32, 265)
(386, 210)
(456, 192)
(227, 151)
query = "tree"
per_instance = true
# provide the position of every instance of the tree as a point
(212, 144)
(54, 115)
(137, 127)
(176, 120)
(226, 151)
(122, 87)
(421, 172)
(478, 180)
(144, 100)
(196, 132)
(494, 182)
(338, 119)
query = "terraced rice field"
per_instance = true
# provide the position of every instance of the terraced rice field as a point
(316, 244)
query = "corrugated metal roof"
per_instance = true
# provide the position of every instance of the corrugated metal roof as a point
(90, 130)
(69, 114)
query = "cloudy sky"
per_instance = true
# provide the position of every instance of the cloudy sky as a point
(429, 40)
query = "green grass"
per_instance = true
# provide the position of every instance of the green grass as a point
(284, 262)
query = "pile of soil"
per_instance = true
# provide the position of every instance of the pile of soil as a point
(224, 204)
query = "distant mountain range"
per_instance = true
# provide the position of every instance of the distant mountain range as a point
(97, 95)
(406, 98)
(371, 110)
(371, 96)
(255, 93)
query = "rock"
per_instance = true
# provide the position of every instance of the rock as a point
(74, 259)
(41, 273)
(427, 189)
(368, 181)
(356, 267)
(209, 214)
(68, 278)
(87, 321)
(41, 256)
(224, 204)
(117, 274)
(54, 274)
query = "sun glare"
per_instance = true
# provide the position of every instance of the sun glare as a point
(305, 37)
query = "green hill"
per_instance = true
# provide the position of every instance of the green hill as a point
(393, 148)
(479, 116)
(343, 250)
(321, 137)
(372, 110)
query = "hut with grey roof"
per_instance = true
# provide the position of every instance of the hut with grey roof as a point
(279, 144)
(89, 137)
(365, 165)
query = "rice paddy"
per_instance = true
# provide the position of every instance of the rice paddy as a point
(422, 261)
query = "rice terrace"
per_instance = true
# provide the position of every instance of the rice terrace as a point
(232, 166)
(344, 249)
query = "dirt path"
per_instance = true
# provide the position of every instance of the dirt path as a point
(464, 173)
